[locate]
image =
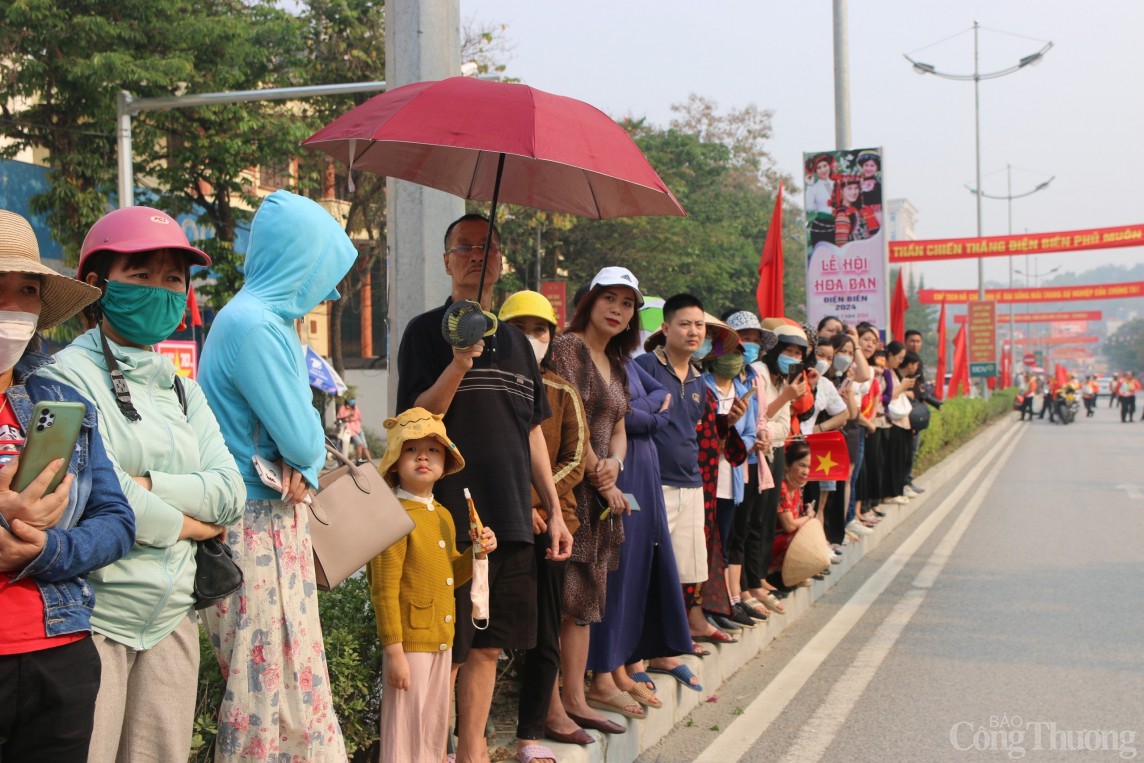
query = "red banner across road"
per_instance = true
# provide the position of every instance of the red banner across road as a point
(1031, 243)
(1054, 340)
(1063, 316)
(1043, 294)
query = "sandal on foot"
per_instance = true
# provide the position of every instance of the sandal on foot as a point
(531, 752)
(682, 674)
(643, 678)
(618, 703)
(699, 651)
(717, 637)
(645, 696)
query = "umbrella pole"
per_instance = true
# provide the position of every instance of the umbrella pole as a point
(492, 222)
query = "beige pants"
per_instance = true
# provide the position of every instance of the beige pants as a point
(685, 523)
(415, 721)
(145, 710)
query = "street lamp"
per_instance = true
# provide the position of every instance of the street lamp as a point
(1036, 282)
(1009, 196)
(976, 77)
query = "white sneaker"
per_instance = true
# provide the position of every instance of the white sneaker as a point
(900, 500)
(858, 528)
(909, 492)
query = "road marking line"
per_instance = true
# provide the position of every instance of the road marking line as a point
(745, 730)
(824, 726)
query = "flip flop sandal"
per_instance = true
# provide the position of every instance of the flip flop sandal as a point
(643, 678)
(618, 703)
(531, 752)
(718, 637)
(699, 651)
(645, 696)
(680, 673)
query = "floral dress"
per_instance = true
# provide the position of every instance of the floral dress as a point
(278, 705)
(596, 543)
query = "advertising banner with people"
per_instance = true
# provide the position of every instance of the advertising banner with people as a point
(846, 272)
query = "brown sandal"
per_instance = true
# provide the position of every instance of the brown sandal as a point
(645, 696)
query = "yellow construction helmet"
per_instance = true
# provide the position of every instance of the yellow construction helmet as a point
(527, 303)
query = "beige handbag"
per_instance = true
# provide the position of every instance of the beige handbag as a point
(353, 517)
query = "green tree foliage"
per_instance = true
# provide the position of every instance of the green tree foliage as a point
(65, 62)
(1125, 348)
(717, 166)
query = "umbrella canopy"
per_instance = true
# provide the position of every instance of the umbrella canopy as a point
(322, 375)
(560, 154)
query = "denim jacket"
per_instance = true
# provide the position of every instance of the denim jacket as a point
(98, 525)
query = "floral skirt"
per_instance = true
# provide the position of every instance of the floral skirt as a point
(268, 639)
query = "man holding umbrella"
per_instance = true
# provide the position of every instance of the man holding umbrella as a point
(493, 399)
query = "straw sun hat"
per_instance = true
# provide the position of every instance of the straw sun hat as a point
(413, 424)
(61, 297)
(807, 555)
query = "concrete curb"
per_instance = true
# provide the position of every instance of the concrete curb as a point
(725, 660)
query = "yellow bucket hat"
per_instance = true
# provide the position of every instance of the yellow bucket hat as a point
(413, 424)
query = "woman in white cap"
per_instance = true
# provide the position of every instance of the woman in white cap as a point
(591, 355)
(49, 543)
(175, 469)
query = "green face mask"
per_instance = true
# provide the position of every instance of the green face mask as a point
(143, 314)
(728, 366)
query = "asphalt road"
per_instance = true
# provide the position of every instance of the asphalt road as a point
(1009, 629)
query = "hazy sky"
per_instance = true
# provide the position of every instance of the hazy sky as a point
(1078, 115)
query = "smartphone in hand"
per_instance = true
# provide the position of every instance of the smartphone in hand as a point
(52, 433)
(795, 372)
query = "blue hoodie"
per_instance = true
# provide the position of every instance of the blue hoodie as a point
(253, 369)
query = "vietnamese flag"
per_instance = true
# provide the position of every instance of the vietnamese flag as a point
(898, 307)
(1061, 375)
(829, 459)
(1006, 365)
(960, 364)
(769, 293)
(939, 381)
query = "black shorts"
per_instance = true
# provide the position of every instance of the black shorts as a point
(512, 604)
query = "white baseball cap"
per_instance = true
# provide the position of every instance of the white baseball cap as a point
(614, 275)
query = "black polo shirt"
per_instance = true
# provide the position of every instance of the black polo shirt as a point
(500, 399)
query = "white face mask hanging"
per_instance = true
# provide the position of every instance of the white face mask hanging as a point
(16, 330)
(479, 594)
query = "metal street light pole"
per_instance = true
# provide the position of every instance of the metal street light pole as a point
(976, 77)
(1008, 198)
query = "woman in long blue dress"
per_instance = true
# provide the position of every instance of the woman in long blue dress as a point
(644, 617)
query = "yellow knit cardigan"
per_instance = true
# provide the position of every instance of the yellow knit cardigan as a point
(412, 582)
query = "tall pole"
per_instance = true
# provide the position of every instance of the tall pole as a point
(841, 78)
(1012, 325)
(977, 152)
(977, 142)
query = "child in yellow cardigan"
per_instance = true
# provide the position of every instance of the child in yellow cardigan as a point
(411, 584)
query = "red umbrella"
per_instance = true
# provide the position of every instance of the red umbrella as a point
(485, 140)
(560, 154)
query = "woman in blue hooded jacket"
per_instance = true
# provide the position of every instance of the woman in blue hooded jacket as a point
(267, 636)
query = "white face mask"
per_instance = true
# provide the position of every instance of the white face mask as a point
(539, 348)
(822, 366)
(16, 330)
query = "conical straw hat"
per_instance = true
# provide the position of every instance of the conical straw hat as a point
(807, 555)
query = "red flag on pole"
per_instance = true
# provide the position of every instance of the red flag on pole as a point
(1006, 365)
(898, 307)
(193, 307)
(939, 379)
(960, 364)
(769, 293)
(829, 459)
(1060, 375)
